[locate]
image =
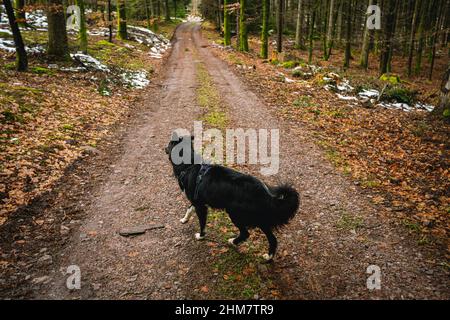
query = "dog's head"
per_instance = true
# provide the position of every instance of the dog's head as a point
(175, 141)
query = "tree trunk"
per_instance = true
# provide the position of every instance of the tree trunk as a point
(421, 37)
(226, 24)
(175, 8)
(311, 35)
(109, 22)
(152, 10)
(389, 31)
(434, 38)
(329, 37)
(243, 37)
(280, 26)
(265, 30)
(147, 15)
(83, 32)
(121, 20)
(21, 54)
(348, 33)
(412, 36)
(364, 60)
(57, 35)
(443, 110)
(167, 10)
(20, 12)
(298, 31)
(158, 9)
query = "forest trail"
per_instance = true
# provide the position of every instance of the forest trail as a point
(323, 253)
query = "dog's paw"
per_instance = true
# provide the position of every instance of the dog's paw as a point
(184, 221)
(231, 241)
(199, 237)
(268, 257)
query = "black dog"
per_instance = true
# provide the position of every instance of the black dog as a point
(247, 200)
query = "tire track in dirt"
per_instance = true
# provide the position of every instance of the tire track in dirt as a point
(140, 190)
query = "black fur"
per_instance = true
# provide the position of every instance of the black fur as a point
(249, 202)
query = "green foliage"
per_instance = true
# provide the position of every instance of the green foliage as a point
(290, 64)
(303, 101)
(400, 94)
(41, 70)
(391, 78)
(349, 222)
(5, 35)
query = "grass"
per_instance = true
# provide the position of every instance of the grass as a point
(237, 271)
(209, 100)
(117, 54)
(349, 222)
(303, 102)
(412, 226)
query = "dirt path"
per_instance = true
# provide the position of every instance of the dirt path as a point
(324, 253)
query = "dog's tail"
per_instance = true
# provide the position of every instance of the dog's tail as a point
(285, 204)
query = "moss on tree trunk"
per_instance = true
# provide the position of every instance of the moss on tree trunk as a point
(121, 20)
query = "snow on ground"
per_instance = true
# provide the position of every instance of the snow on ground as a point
(37, 19)
(89, 62)
(193, 18)
(157, 44)
(342, 87)
(135, 79)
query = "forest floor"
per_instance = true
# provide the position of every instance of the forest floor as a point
(125, 179)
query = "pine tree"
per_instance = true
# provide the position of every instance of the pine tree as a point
(21, 54)
(58, 47)
(298, 31)
(280, 25)
(20, 12)
(226, 24)
(364, 59)
(82, 31)
(265, 30)
(243, 36)
(121, 20)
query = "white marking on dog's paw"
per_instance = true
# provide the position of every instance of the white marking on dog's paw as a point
(199, 237)
(183, 221)
(268, 257)
(231, 241)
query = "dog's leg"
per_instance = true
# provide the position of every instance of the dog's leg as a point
(243, 235)
(188, 215)
(272, 244)
(202, 213)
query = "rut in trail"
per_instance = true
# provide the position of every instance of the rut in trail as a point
(323, 253)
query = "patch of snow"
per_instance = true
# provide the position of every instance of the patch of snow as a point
(396, 106)
(193, 18)
(135, 79)
(89, 62)
(345, 86)
(425, 107)
(7, 31)
(346, 98)
(9, 46)
(372, 93)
